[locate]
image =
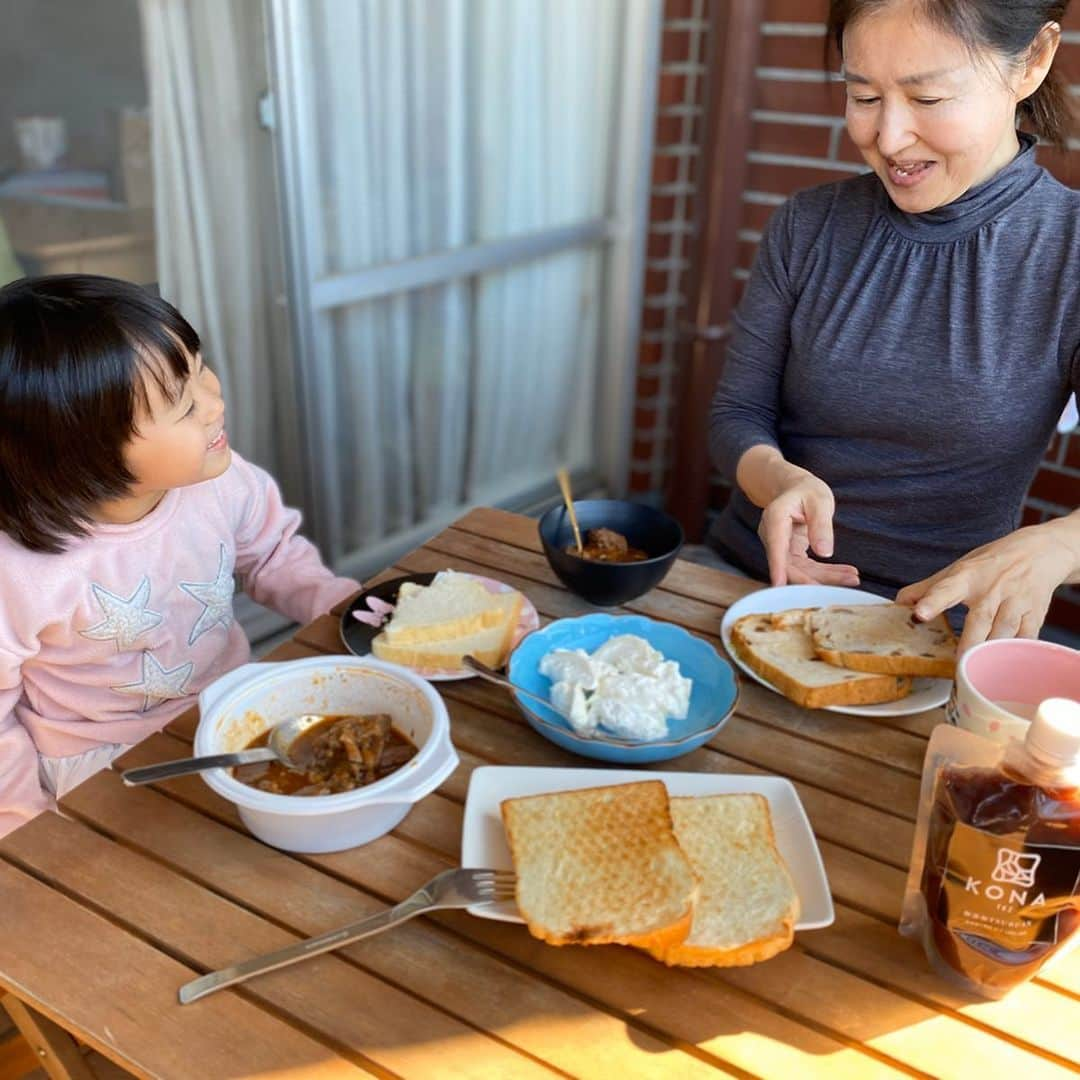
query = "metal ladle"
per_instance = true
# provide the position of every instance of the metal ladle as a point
(495, 677)
(277, 748)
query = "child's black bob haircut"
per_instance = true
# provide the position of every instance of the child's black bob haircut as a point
(75, 350)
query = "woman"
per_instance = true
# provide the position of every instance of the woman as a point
(909, 337)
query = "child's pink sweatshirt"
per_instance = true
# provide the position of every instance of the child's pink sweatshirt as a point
(109, 640)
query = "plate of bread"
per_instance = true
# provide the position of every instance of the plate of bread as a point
(849, 651)
(429, 622)
(697, 869)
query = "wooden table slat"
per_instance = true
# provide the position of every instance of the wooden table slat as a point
(534, 575)
(157, 1041)
(857, 736)
(690, 579)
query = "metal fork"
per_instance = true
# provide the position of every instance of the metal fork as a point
(450, 889)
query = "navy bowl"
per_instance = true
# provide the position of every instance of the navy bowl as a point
(712, 700)
(609, 584)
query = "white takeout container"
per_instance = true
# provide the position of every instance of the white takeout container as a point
(244, 703)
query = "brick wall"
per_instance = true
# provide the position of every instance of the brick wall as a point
(680, 97)
(798, 140)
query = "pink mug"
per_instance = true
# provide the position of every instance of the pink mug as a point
(1000, 683)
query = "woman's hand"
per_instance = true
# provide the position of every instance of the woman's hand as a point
(1007, 584)
(796, 519)
(795, 524)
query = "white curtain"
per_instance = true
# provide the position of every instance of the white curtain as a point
(214, 211)
(433, 125)
(441, 125)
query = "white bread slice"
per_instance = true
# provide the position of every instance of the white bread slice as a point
(784, 655)
(748, 906)
(883, 638)
(490, 645)
(601, 865)
(453, 605)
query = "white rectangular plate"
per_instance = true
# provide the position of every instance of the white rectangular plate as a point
(483, 842)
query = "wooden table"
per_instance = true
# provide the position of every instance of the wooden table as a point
(107, 911)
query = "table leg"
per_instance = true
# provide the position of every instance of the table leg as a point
(55, 1050)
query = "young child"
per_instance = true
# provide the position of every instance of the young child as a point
(123, 518)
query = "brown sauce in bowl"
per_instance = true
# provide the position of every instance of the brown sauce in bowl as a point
(606, 545)
(342, 753)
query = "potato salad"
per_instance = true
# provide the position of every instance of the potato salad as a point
(625, 687)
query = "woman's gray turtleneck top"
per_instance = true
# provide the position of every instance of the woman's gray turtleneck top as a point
(917, 363)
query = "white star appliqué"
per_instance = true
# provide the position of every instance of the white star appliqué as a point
(158, 683)
(125, 619)
(215, 596)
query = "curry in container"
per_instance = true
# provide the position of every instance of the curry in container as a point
(339, 754)
(607, 545)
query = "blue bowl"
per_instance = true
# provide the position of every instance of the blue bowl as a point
(712, 700)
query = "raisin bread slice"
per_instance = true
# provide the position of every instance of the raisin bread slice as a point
(780, 651)
(885, 639)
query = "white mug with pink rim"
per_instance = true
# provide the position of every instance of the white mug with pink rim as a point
(1000, 683)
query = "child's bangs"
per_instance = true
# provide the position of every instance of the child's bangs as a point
(166, 356)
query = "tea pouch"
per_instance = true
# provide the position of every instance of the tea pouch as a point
(993, 890)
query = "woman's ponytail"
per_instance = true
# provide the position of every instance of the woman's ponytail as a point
(1048, 113)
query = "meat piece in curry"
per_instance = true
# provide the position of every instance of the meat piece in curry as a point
(606, 545)
(339, 754)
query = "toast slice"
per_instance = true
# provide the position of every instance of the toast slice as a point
(490, 645)
(747, 907)
(453, 605)
(883, 638)
(600, 866)
(784, 655)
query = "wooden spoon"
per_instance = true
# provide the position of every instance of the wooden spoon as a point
(564, 486)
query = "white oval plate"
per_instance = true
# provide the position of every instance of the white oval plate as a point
(925, 693)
